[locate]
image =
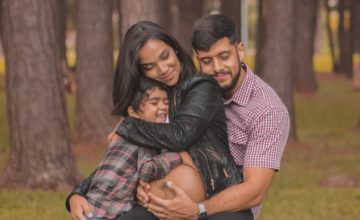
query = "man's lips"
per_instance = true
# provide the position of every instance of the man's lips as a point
(221, 76)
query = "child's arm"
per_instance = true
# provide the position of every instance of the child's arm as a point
(153, 166)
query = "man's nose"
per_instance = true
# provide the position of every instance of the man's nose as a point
(217, 65)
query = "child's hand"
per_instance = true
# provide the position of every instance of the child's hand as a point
(79, 207)
(141, 194)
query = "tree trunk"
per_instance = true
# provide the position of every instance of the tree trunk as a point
(232, 9)
(62, 29)
(40, 152)
(132, 12)
(278, 53)
(184, 13)
(330, 37)
(304, 76)
(355, 27)
(355, 31)
(260, 32)
(344, 37)
(94, 71)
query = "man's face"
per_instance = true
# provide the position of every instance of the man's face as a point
(222, 62)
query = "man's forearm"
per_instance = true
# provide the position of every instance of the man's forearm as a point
(242, 196)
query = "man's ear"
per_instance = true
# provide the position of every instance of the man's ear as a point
(131, 112)
(241, 51)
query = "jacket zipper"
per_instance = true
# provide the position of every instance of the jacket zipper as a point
(217, 155)
(212, 182)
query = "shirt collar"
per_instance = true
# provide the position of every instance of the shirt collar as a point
(242, 95)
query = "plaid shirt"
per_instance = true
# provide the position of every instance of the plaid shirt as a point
(258, 125)
(112, 189)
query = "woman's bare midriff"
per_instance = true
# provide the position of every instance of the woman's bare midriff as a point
(186, 176)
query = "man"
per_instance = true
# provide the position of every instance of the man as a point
(257, 122)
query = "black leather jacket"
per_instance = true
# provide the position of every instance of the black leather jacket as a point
(197, 125)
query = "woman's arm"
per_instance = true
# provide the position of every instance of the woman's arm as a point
(196, 110)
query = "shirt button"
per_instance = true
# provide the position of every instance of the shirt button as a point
(231, 138)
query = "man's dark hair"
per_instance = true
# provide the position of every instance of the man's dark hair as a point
(211, 28)
(142, 93)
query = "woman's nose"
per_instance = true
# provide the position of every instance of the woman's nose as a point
(162, 68)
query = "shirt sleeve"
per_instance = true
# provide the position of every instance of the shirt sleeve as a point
(268, 138)
(193, 115)
(153, 166)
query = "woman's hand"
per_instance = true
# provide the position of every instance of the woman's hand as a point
(79, 207)
(141, 193)
(113, 136)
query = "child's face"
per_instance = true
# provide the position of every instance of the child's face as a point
(155, 107)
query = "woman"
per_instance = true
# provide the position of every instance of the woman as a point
(196, 114)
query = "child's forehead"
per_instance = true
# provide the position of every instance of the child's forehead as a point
(153, 90)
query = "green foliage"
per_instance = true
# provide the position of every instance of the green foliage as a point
(330, 146)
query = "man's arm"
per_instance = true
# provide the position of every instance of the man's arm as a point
(235, 198)
(242, 196)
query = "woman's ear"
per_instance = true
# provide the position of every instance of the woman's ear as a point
(131, 112)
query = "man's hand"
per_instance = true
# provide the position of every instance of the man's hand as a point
(141, 193)
(113, 136)
(180, 207)
(79, 207)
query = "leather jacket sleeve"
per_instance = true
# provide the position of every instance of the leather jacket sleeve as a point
(199, 102)
(81, 189)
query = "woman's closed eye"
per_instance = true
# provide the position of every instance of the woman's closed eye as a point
(147, 67)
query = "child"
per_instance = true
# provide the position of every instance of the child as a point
(112, 189)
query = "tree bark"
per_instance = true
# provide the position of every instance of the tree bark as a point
(304, 75)
(278, 53)
(61, 19)
(355, 31)
(40, 152)
(94, 71)
(232, 9)
(132, 12)
(355, 27)
(344, 38)
(260, 32)
(184, 13)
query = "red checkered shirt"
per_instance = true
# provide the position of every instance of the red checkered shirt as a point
(112, 189)
(258, 125)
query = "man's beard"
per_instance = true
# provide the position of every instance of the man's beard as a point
(232, 85)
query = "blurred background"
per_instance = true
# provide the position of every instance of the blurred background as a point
(57, 60)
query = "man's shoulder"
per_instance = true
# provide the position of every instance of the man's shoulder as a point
(264, 95)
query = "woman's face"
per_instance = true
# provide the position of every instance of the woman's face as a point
(158, 61)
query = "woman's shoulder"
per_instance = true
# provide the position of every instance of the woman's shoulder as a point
(198, 78)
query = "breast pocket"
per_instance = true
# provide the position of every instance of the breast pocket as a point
(237, 135)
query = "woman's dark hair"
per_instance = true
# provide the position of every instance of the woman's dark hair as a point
(142, 93)
(211, 28)
(128, 70)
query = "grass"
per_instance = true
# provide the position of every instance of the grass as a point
(330, 146)
(325, 124)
